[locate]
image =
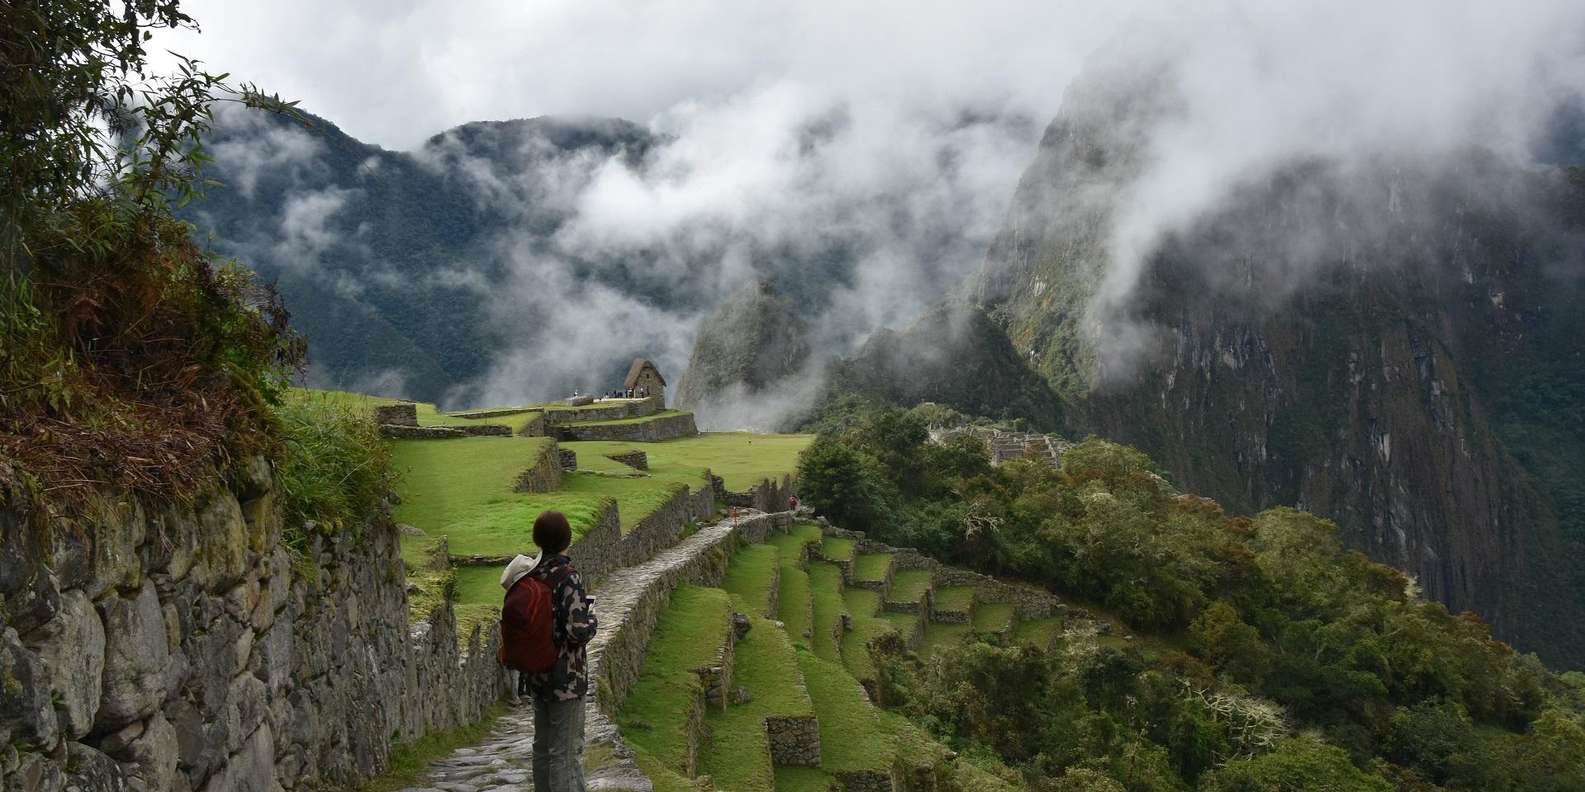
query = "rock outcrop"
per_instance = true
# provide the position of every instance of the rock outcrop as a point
(1389, 342)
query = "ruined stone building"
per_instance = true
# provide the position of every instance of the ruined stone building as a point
(643, 375)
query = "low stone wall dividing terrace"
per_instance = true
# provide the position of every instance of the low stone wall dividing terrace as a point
(665, 427)
(545, 475)
(794, 740)
(568, 459)
(638, 460)
(769, 495)
(405, 432)
(404, 414)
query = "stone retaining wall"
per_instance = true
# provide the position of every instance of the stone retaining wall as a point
(1028, 602)
(598, 551)
(666, 427)
(568, 459)
(184, 649)
(545, 475)
(638, 460)
(794, 740)
(405, 414)
(614, 410)
(404, 432)
(533, 426)
(864, 781)
(768, 495)
(716, 677)
(474, 415)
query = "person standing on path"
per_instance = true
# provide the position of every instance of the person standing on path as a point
(558, 693)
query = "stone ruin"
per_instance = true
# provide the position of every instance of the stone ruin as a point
(1006, 446)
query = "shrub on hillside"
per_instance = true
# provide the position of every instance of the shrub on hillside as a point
(336, 470)
(131, 358)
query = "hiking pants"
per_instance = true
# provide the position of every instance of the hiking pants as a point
(558, 745)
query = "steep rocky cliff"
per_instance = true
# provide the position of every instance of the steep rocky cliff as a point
(753, 342)
(1390, 342)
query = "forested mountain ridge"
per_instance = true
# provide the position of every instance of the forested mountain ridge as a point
(387, 259)
(1388, 342)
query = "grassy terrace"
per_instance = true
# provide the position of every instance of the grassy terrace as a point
(855, 645)
(741, 459)
(872, 567)
(751, 576)
(1038, 632)
(690, 631)
(851, 737)
(993, 617)
(938, 635)
(447, 484)
(764, 664)
(428, 414)
(954, 598)
(837, 549)
(825, 583)
(909, 585)
(862, 602)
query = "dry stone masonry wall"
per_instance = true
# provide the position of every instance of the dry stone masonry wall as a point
(654, 430)
(184, 649)
(545, 475)
(638, 460)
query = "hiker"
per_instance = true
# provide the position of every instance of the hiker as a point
(792, 503)
(546, 622)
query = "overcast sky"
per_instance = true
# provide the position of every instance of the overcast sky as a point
(393, 72)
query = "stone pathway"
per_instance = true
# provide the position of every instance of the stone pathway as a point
(502, 763)
(627, 603)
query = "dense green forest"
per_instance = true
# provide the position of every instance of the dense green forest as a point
(1267, 656)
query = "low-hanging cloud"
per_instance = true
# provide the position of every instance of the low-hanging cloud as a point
(889, 135)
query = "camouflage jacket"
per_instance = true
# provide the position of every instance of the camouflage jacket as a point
(575, 626)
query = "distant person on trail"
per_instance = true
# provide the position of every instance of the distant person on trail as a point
(546, 621)
(792, 503)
